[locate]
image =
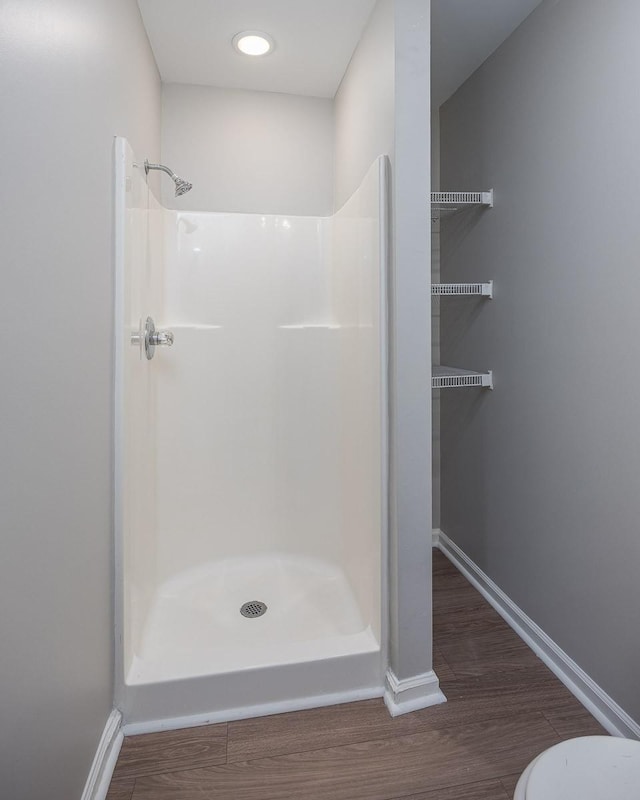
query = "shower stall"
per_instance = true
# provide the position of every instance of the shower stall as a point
(251, 455)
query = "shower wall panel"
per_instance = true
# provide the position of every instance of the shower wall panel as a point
(358, 308)
(140, 294)
(247, 397)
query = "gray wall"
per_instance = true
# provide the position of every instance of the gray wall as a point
(540, 477)
(251, 152)
(73, 73)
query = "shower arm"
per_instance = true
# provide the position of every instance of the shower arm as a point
(148, 166)
(182, 186)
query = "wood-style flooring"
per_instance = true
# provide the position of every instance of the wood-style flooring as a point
(504, 707)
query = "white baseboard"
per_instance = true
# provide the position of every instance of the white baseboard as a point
(104, 761)
(608, 713)
(411, 694)
(435, 537)
(248, 712)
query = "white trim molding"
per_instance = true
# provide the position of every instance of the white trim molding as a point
(411, 694)
(603, 707)
(104, 761)
(435, 537)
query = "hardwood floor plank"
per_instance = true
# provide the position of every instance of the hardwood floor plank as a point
(467, 621)
(441, 566)
(442, 669)
(495, 651)
(470, 700)
(453, 592)
(315, 729)
(155, 753)
(486, 702)
(375, 770)
(484, 790)
(509, 782)
(532, 689)
(121, 789)
(574, 721)
(457, 598)
(445, 582)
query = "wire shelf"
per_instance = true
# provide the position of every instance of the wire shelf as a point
(462, 289)
(453, 378)
(450, 202)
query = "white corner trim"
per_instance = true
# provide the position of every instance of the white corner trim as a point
(603, 707)
(435, 537)
(411, 694)
(104, 761)
(249, 712)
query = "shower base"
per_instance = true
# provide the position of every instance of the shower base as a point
(195, 626)
(311, 639)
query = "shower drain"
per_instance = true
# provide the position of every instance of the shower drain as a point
(254, 608)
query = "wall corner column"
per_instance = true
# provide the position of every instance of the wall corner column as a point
(410, 682)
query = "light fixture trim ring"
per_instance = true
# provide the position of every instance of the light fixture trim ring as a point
(258, 34)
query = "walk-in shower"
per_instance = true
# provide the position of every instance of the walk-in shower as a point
(250, 459)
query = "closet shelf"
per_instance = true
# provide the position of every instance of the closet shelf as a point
(450, 202)
(452, 377)
(462, 289)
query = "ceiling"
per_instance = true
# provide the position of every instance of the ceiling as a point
(464, 33)
(191, 41)
(315, 39)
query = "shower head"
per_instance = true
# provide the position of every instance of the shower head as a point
(182, 186)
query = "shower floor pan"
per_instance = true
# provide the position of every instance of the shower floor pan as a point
(200, 660)
(195, 627)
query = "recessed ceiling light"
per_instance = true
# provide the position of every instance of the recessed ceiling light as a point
(253, 43)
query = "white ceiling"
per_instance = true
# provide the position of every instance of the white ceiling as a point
(464, 33)
(315, 39)
(191, 41)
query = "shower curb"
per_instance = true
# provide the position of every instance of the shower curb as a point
(104, 761)
(601, 705)
(250, 712)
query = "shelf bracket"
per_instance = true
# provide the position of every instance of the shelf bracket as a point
(462, 289)
(454, 378)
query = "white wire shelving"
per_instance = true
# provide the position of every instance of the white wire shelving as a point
(453, 378)
(443, 203)
(462, 289)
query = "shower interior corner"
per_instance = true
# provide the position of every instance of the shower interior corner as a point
(250, 455)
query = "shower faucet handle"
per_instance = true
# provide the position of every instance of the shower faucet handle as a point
(161, 338)
(150, 338)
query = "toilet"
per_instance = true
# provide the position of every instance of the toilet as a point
(586, 768)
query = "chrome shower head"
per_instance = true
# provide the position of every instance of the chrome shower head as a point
(182, 186)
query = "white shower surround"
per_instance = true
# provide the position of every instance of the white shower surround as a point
(253, 464)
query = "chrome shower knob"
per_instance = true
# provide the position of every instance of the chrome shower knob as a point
(152, 338)
(161, 338)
